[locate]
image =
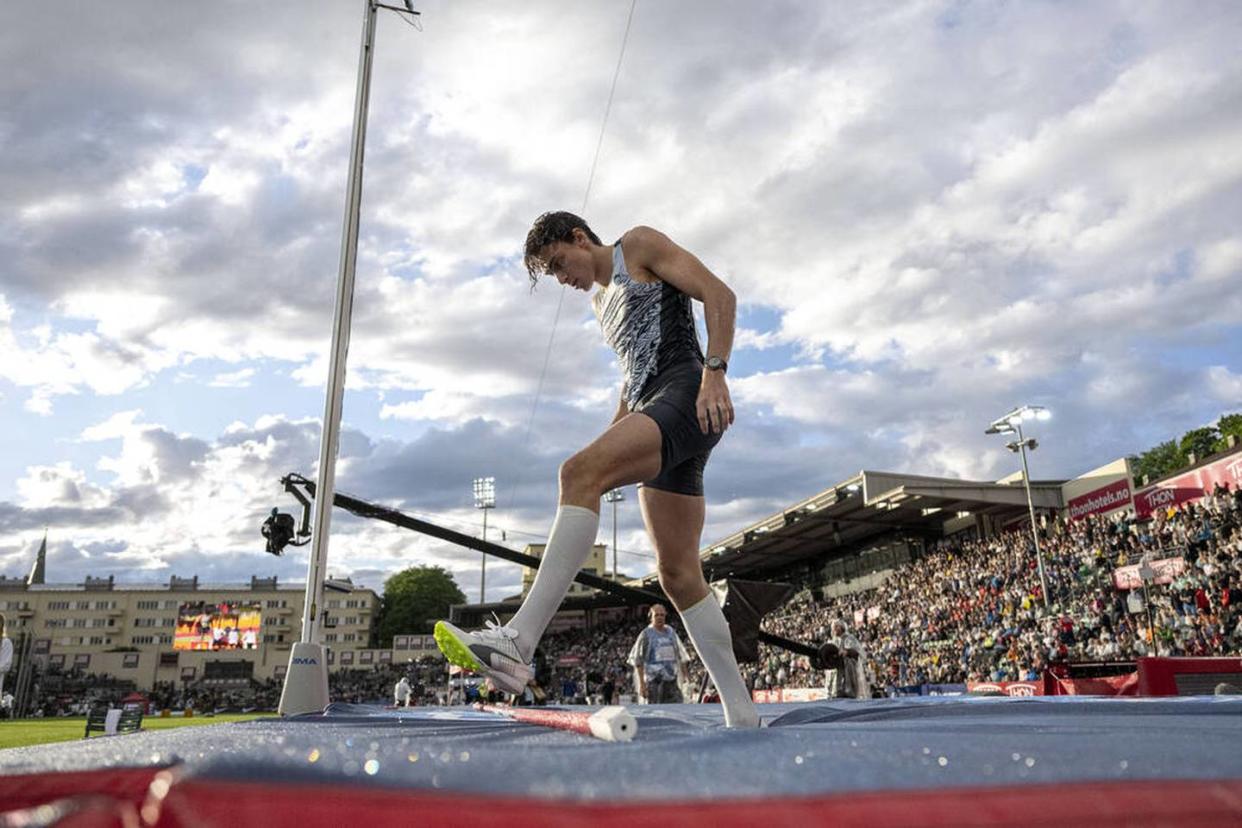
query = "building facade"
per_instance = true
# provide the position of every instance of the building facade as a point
(148, 632)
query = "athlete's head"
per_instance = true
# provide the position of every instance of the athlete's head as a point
(559, 244)
(659, 614)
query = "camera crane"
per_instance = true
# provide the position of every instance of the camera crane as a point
(746, 602)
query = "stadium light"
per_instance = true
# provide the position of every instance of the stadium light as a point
(306, 680)
(1011, 423)
(484, 498)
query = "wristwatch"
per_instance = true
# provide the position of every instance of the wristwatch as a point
(715, 363)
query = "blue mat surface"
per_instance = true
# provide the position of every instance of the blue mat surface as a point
(683, 752)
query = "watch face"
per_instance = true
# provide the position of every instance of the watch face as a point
(715, 363)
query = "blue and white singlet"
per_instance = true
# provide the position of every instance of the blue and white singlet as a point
(650, 326)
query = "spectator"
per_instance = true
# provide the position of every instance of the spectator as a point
(850, 680)
(401, 693)
(6, 655)
(659, 660)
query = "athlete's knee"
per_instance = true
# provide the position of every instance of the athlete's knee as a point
(579, 475)
(681, 582)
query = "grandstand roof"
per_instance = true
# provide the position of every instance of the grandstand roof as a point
(865, 508)
(840, 521)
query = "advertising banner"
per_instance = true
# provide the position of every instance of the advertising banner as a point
(1109, 498)
(1123, 685)
(1166, 569)
(1008, 688)
(928, 690)
(789, 694)
(1189, 486)
(804, 694)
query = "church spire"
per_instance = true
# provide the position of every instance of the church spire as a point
(38, 571)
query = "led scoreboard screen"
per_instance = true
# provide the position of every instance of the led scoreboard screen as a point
(223, 626)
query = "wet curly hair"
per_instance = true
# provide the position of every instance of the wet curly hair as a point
(551, 227)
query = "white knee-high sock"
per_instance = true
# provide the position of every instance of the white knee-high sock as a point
(569, 544)
(708, 630)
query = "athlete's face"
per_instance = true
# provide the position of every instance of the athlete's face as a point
(570, 263)
(658, 616)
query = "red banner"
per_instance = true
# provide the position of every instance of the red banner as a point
(1166, 569)
(1123, 685)
(1008, 688)
(1109, 498)
(1189, 486)
(1164, 676)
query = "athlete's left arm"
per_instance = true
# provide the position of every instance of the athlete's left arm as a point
(683, 270)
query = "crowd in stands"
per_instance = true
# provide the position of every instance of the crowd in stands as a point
(974, 610)
(74, 692)
(368, 685)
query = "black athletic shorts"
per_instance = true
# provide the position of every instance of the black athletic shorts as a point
(669, 398)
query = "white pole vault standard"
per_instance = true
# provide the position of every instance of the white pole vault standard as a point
(306, 681)
(612, 724)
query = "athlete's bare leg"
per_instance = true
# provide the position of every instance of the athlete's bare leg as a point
(628, 452)
(675, 524)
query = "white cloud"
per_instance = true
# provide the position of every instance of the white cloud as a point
(1036, 202)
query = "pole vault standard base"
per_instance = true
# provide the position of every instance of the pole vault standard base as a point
(306, 682)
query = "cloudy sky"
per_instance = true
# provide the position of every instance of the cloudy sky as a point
(930, 212)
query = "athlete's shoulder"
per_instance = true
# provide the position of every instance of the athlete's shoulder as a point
(647, 251)
(642, 238)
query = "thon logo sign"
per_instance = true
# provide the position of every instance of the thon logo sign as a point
(305, 660)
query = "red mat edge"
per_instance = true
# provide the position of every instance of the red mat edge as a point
(206, 803)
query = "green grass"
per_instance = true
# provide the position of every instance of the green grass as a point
(25, 732)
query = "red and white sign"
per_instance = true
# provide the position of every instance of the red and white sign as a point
(789, 694)
(1107, 499)
(1189, 486)
(1166, 569)
(1009, 688)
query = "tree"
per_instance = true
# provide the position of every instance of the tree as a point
(413, 599)
(1200, 442)
(1227, 425)
(1159, 461)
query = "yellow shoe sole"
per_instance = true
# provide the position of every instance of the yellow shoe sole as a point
(456, 652)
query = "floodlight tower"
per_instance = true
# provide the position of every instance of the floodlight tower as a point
(1011, 423)
(306, 680)
(484, 498)
(614, 496)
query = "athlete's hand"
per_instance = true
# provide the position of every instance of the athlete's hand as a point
(714, 407)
